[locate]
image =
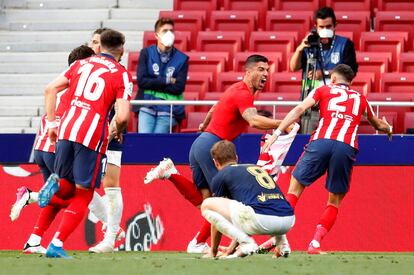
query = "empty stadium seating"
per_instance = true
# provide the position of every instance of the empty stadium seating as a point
(199, 5)
(354, 21)
(286, 83)
(234, 21)
(396, 21)
(409, 123)
(193, 121)
(187, 20)
(278, 97)
(349, 5)
(397, 82)
(273, 57)
(375, 62)
(225, 80)
(252, 5)
(198, 82)
(363, 82)
(133, 59)
(395, 5)
(393, 42)
(299, 5)
(407, 62)
(289, 21)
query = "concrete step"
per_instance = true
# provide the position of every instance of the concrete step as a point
(129, 25)
(15, 122)
(134, 14)
(39, 36)
(54, 57)
(73, 4)
(22, 90)
(26, 79)
(11, 130)
(39, 67)
(19, 111)
(30, 15)
(31, 130)
(21, 101)
(145, 4)
(35, 122)
(55, 25)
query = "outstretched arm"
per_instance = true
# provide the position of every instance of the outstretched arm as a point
(258, 121)
(381, 125)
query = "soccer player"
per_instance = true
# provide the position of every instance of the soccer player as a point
(246, 201)
(111, 212)
(44, 156)
(230, 117)
(94, 86)
(332, 147)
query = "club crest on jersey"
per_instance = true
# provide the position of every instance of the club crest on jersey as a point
(335, 57)
(156, 68)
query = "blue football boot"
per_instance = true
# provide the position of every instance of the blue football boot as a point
(57, 252)
(50, 187)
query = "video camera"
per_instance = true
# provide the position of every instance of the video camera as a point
(314, 39)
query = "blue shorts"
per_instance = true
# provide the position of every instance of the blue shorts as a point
(45, 161)
(326, 155)
(201, 162)
(79, 164)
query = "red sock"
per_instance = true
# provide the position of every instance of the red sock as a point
(66, 189)
(45, 219)
(320, 232)
(292, 199)
(74, 213)
(328, 217)
(187, 188)
(59, 202)
(204, 233)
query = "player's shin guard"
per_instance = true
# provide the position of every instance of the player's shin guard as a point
(98, 208)
(74, 213)
(226, 227)
(45, 219)
(292, 199)
(326, 222)
(187, 188)
(204, 232)
(114, 213)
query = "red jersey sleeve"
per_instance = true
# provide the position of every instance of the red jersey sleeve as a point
(370, 113)
(124, 87)
(244, 102)
(69, 71)
(316, 94)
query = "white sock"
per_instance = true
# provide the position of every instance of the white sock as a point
(57, 242)
(33, 197)
(281, 239)
(226, 227)
(114, 213)
(34, 240)
(98, 208)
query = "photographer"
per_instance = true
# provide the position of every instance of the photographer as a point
(332, 49)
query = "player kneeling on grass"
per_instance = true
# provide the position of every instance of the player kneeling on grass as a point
(246, 201)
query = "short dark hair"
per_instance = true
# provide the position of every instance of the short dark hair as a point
(223, 152)
(253, 59)
(112, 40)
(100, 30)
(324, 13)
(79, 53)
(163, 21)
(345, 71)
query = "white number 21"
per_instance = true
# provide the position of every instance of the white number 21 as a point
(343, 96)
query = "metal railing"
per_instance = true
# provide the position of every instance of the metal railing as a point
(375, 104)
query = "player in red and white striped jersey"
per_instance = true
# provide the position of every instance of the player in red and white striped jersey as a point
(332, 147)
(94, 85)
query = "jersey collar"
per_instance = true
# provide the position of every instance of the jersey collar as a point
(107, 55)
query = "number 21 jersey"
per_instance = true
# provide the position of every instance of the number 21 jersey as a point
(95, 84)
(340, 110)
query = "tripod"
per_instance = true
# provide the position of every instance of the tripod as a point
(311, 116)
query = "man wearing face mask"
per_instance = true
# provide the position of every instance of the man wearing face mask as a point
(161, 75)
(334, 49)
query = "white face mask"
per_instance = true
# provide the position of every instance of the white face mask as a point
(326, 33)
(167, 39)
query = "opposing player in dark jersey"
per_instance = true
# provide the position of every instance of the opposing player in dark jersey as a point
(230, 117)
(246, 201)
(94, 86)
(332, 147)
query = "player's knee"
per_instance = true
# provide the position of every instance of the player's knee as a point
(206, 205)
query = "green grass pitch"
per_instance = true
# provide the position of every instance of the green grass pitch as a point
(172, 263)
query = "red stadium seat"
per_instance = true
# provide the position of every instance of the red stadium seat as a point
(393, 42)
(192, 21)
(363, 82)
(209, 96)
(354, 21)
(349, 5)
(133, 58)
(214, 62)
(225, 80)
(182, 39)
(248, 5)
(199, 82)
(395, 5)
(200, 5)
(193, 121)
(397, 82)
(396, 21)
(273, 57)
(234, 21)
(409, 123)
(283, 42)
(407, 62)
(190, 96)
(376, 62)
(278, 97)
(347, 34)
(132, 123)
(286, 83)
(225, 41)
(366, 128)
(289, 21)
(298, 5)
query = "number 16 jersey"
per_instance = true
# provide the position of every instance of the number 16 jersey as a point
(340, 110)
(95, 84)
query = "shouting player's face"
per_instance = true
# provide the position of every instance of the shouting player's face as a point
(259, 75)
